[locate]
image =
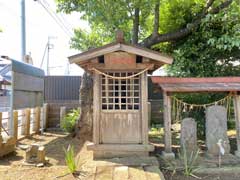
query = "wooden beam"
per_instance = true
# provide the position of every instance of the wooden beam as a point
(147, 53)
(120, 147)
(96, 108)
(83, 57)
(167, 123)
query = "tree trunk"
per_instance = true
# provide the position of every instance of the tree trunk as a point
(135, 26)
(84, 124)
(179, 34)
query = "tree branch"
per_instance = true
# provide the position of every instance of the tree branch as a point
(135, 26)
(156, 18)
(181, 33)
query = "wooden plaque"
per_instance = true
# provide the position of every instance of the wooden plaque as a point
(120, 60)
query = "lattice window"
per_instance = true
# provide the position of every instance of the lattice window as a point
(119, 94)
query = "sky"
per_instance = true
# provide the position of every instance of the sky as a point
(39, 26)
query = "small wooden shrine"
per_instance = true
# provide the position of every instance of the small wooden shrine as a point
(120, 111)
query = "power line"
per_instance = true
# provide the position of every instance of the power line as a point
(61, 18)
(55, 19)
(61, 25)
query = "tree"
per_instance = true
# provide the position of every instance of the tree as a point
(147, 22)
(212, 50)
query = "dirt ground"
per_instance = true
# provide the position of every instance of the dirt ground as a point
(12, 168)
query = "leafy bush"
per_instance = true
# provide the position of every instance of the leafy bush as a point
(70, 159)
(69, 121)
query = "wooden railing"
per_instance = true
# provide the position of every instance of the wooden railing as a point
(25, 122)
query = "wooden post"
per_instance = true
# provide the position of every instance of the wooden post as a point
(37, 120)
(236, 100)
(167, 126)
(96, 109)
(23, 128)
(0, 124)
(144, 108)
(27, 122)
(15, 122)
(149, 114)
(63, 112)
(1, 129)
(45, 116)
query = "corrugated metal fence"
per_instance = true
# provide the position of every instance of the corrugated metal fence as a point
(60, 91)
(61, 88)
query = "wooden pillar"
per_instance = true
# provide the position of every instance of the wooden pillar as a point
(37, 120)
(149, 114)
(236, 100)
(167, 126)
(9, 123)
(15, 122)
(23, 127)
(1, 129)
(144, 107)
(45, 116)
(0, 124)
(63, 112)
(96, 108)
(27, 113)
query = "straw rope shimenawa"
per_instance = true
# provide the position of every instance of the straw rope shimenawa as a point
(116, 77)
(202, 105)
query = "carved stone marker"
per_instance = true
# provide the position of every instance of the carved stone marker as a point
(216, 129)
(189, 134)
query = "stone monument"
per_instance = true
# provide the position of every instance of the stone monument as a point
(189, 134)
(216, 129)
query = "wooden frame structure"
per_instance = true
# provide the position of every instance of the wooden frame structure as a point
(120, 109)
(170, 85)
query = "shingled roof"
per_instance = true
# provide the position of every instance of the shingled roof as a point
(120, 46)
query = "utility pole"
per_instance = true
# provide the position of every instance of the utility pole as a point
(49, 46)
(23, 29)
(48, 51)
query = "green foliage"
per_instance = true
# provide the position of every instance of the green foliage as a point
(212, 50)
(105, 17)
(69, 121)
(70, 159)
(231, 125)
(189, 161)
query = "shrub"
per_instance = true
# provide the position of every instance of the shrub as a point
(69, 121)
(70, 159)
(189, 161)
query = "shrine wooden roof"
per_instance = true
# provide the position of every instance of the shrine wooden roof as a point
(213, 84)
(120, 46)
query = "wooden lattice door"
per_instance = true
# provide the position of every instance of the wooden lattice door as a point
(120, 120)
